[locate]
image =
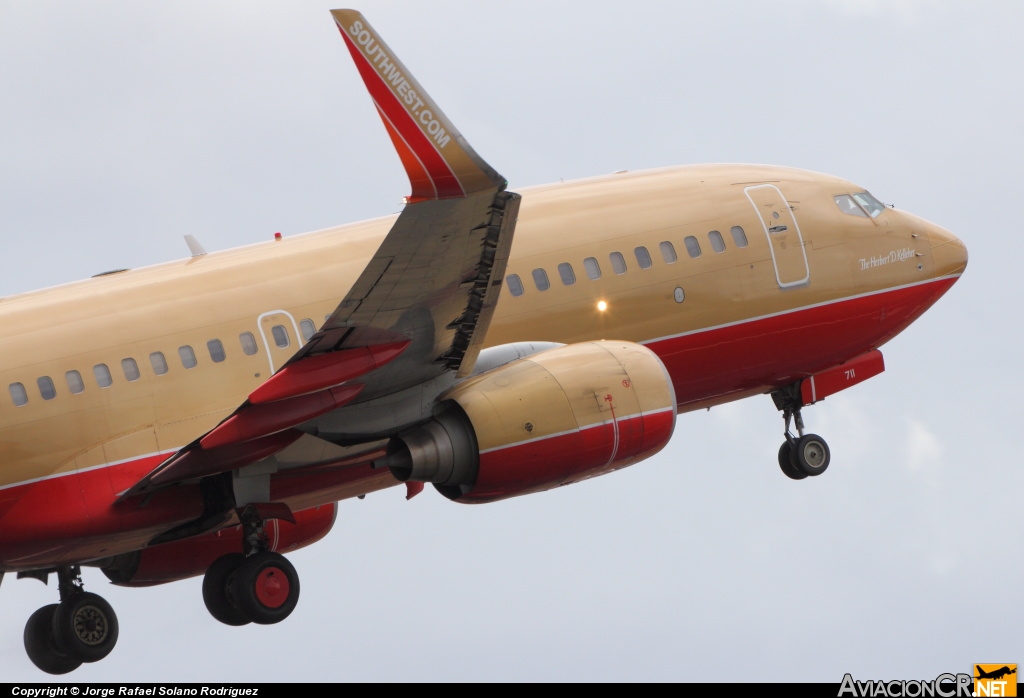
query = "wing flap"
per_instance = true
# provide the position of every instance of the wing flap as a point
(254, 421)
(318, 373)
(194, 462)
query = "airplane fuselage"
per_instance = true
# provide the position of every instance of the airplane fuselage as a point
(741, 278)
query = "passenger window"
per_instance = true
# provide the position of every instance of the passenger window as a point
(102, 375)
(643, 257)
(130, 368)
(281, 338)
(668, 252)
(75, 383)
(540, 280)
(46, 387)
(692, 246)
(308, 329)
(18, 394)
(568, 275)
(248, 343)
(216, 349)
(618, 262)
(187, 356)
(593, 268)
(717, 243)
(515, 284)
(738, 236)
(158, 362)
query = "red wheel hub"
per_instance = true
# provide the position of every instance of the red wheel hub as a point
(272, 587)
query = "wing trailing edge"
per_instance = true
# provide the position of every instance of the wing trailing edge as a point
(439, 161)
(316, 373)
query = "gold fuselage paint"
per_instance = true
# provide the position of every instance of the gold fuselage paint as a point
(253, 289)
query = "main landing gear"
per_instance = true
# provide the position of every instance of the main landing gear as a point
(804, 454)
(81, 628)
(259, 586)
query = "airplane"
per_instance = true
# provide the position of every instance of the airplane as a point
(995, 673)
(204, 416)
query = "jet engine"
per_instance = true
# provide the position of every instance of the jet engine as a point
(551, 419)
(190, 557)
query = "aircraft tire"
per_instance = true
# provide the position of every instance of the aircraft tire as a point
(217, 590)
(40, 646)
(789, 469)
(266, 588)
(85, 627)
(811, 455)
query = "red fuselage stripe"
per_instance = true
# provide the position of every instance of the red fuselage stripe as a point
(778, 349)
(56, 513)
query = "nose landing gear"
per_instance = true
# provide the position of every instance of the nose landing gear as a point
(804, 454)
(81, 628)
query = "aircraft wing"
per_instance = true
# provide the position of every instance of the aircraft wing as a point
(435, 279)
(421, 306)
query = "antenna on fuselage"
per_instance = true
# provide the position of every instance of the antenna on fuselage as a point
(194, 246)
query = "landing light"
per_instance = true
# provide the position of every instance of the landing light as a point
(602, 306)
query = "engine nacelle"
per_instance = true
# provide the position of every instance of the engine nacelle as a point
(551, 419)
(190, 557)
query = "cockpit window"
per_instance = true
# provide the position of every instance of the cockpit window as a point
(862, 204)
(846, 204)
(870, 204)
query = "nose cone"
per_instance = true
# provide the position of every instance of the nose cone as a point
(949, 254)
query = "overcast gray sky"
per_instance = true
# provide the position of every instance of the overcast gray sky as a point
(124, 126)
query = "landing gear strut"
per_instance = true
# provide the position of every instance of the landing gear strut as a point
(803, 454)
(259, 586)
(81, 628)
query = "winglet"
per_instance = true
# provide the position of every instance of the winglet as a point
(439, 161)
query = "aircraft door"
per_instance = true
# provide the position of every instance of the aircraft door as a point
(784, 238)
(280, 335)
